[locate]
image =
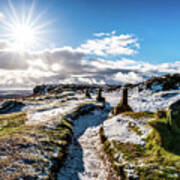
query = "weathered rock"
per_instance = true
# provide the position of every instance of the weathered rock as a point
(161, 114)
(123, 105)
(163, 83)
(39, 89)
(99, 97)
(87, 94)
(44, 89)
(10, 106)
(125, 96)
(174, 116)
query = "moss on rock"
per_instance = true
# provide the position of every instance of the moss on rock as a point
(160, 114)
(120, 108)
(174, 117)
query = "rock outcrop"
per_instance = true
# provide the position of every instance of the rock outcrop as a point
(11, 106)
(174, 116)
(123, 105)
(87, 94)
(99, 97)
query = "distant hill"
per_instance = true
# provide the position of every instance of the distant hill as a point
(158, 83)
(161, 83)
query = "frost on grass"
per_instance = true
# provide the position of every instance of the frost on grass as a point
(28, 151)
(34, 142)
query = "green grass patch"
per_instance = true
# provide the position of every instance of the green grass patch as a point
(16, 138)
(160, 155)
(133, 127)
(12, 122)
(130, 151)
(15, 142)
(138, 115)
(163, 143)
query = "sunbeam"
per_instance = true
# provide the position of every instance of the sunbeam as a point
(24, 30)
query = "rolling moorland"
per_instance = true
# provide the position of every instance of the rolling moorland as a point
(93, 132)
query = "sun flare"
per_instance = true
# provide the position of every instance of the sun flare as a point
(23, 36)
(23, 29)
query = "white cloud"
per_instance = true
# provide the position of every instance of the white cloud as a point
(68, 65)
(53, 68)
(66, 57)
(101, 34)
(115, 45)
(129, 71)
(130, 77)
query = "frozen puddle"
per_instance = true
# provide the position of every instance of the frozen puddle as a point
(84, 161)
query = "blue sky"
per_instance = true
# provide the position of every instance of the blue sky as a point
(155, 23)
(121, 40)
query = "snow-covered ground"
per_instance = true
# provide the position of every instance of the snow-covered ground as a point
(84, 161)
(146, 100)
(49, 109)
(46, 115)
(117, 129)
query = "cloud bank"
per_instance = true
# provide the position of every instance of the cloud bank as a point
(115, 45)
(68, 65)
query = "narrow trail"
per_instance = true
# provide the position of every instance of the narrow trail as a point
(85, 160)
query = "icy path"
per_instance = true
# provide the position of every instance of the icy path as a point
(85, 160)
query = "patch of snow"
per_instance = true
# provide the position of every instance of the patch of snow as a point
(146, 100)
(46, 115)
(84, 162)
(131, 174)
(117, 129)
(152, 102)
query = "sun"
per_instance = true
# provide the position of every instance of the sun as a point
(23, 29)
(24, 36)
